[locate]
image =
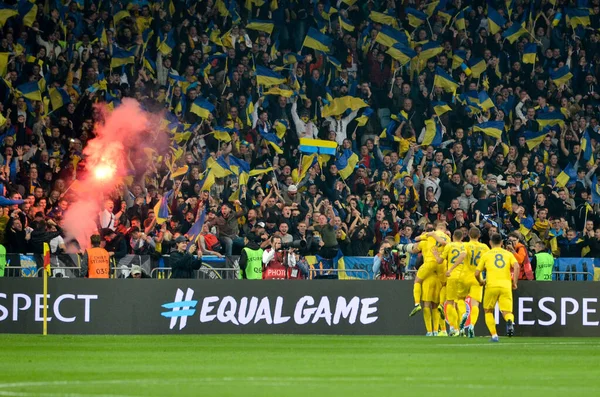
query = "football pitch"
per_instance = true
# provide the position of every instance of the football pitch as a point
(308, 366)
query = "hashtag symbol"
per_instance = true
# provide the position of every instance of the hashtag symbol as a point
(181, 308)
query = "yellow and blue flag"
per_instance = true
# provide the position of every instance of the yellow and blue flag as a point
(223, 134)
(440, 107)
(30, 91)
(319, 146)
(161, 209)
(58, 97)
(202, 107)
(485, 102)
(443, 80)
(383, 19)
(273, 140)
(266, 77)
(490, 128)
(513, 33)
(193, 233)
(167, 44)
(530, 53)
(346, 162)
(305, 165)
(389, 36)
(495, 21)
(341, 104)
(586, 148)
(346, 24)
(477, 66)
(6, 12)
(260, 25)
(561, 76)
(291, 58)
(567, 176)
(28, 12)
(318, 41)
(430, 49)
(119, 16)
(578, 16)
(219, 167)
(433, 133)
(595, 190)
(459, 21)
(550, 119)
(401, 53)
(207, 181)
(121, 57)
(415, 17)
(534, 138)
(363, 119)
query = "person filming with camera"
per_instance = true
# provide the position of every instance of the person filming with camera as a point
(388, 264)
(514, 245)
(273, 261)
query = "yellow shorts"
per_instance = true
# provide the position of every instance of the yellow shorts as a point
(431, 289)
(441, 273)
(452, 289)
(469, 287)
(426, 270)
(501, 295)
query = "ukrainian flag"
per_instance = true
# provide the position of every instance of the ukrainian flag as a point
(261, 26)
(530, 53)
(567, 176)
(4, 63)
(440, 107)
(161, 209)
(459, 21)
(415, 17)
(401, 53)
(490, 128)
(166, 46)
(261, 171)
(223, 134)
(340, 105)
(595, 190)
(389, 36)
(319, 146)
(30, 91)
(279, 92)
(58, 98)
(485, 102)
(239, 166)
(193, 234)
(534, 139)
(28, 12)
(336, 64)
(346, 163)
(513, 33)
(6, 12)
(363, 119)
(266, 77)
(430, 49)
(273, 140)
(561, 76)
(433, 133)
(383, 19)
(443, 80)
(586, 148)
(550, 119)
(578, 16)
(291, 58)
(495, 20)
(207, 181)
(305, 165)
(318, 41)
(218, 167)
(202, 107)
(346, 24)
(458, 58)
(477, 66)
(280, 126)
(121, 57)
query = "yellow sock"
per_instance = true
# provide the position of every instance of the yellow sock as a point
(490, 321)
(451, 315)
(510, 317)
(462, 309)
(417, 293)
(427, 318)
(436, 319)
(474, 315)
(443, 294)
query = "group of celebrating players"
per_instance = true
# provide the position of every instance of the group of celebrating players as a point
(452, 271)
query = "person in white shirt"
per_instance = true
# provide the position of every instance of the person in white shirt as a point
(107, 218)
(304, 126)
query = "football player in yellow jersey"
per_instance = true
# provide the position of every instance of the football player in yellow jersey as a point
(497, 264)
(425, 244)
(467, 283)
(452, 252)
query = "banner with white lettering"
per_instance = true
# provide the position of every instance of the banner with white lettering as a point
(150, 306)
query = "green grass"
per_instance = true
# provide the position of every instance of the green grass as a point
(307, 366)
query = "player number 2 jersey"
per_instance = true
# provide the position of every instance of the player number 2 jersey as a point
(451, 253)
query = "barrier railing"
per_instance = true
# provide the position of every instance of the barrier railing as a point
(574, 273)
(333, 272)
(209, 271)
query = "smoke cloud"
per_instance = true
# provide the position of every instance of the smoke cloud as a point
(120, 135)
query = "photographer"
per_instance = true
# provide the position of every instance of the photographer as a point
(388, 264)
(520, 253)
(273, 259)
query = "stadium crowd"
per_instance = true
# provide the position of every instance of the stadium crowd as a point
(352, 125)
